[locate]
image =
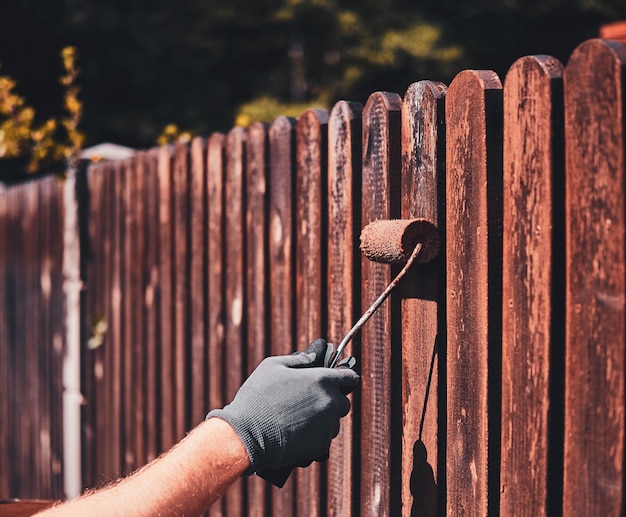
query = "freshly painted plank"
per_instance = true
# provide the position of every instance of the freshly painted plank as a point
(474, 254)
(311, 165)
(380, 200)
(344, 215)
(593, 481)
(234, 288)
(256, 264)
(423, 299)
(532, 295)
(281, 264)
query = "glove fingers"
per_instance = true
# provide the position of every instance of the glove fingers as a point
(313, 356)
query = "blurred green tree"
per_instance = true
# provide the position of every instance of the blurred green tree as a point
(205, 64)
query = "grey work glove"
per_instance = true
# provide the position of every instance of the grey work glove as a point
(288, 410)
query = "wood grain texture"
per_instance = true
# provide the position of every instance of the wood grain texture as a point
(423, 299)
(311, 163)
(281, 264)
(343, 272)
(473, 254)
(167, 384)
(5, 373)
(380, 200)
(594, 379)
(199, 367)
(181, 267)
(257, 285)
(151, 227)
(234, 284)
(215, 278)
(532, 288)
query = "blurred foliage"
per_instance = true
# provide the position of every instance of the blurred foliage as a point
(41, 144)
(205, 65)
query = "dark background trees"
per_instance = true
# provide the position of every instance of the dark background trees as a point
(205, 64)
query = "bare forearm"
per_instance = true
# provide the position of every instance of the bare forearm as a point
(185, 481)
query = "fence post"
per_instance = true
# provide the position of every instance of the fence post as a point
(380, 200)
(474, 262)
(593, 481)
(533, 297)
(256, 266)
(281, 262)
(72, 398)
(423, 300)
(344, 210)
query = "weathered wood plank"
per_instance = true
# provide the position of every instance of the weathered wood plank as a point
(197, 281)
(166, 299)
(5, 386)
(344, 216)
(533, 262)
(380, 200)
(234, 288)
(311, 166)
(593, 482)
(130, 285)
(181, 230)
(423, 299)
(474, 254)
(151, 228)
(257, 292)
(281, 263)
(215, 277)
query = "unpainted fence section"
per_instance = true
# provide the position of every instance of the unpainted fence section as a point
(492, 379)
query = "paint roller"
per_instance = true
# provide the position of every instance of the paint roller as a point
(388, 241)
(393, 241)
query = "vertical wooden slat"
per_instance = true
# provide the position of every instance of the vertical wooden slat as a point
(95, 279)
(197, 283)
(531, 330)
(380, 200)
(180, 193)
(129, 284)
(215, 277)
(311, 163)
(256, 275)
(281, 263)
(423, 302)
(344, 179)
(235, 296)
(473, 245)
(57, 337)
(138, 343)
(5, 414)
(595, 284)
(166, 301)
(151, 226)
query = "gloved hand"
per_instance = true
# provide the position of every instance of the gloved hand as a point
(288, 410)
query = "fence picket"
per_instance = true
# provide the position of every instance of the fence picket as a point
(312, 162)
(256, 266)
(532, 326)
(595, 286)
(281, 263)
(198, 352)
(380, 200)
(423, 299)
(473, 245)
(215, 269)
(344, 179)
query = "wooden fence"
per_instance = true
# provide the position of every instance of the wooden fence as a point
(492, 380)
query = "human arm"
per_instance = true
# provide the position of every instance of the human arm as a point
(285, 415)
(184, 481)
